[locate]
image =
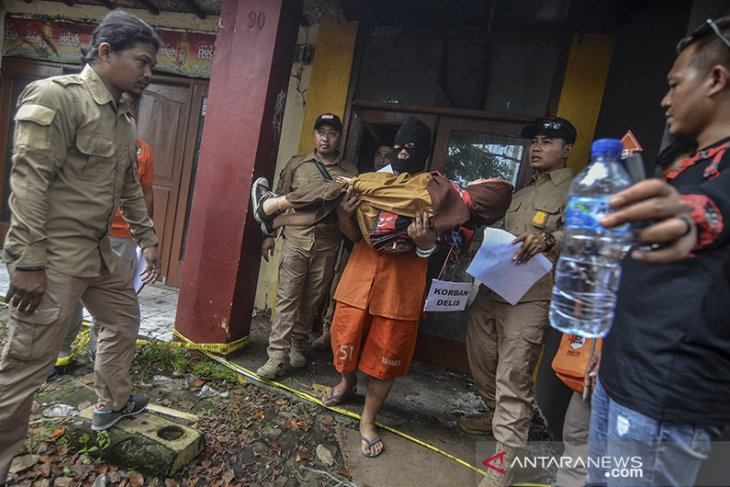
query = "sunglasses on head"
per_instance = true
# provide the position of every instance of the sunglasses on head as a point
(710, 25)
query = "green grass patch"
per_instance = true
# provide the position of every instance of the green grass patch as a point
(213, 370)
(150, 359)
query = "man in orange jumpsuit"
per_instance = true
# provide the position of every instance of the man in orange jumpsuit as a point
(380, 299)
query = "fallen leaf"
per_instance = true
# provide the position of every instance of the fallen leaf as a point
(345, 473)
(57, 433)
(261, 414)
(23, 462)
(275, 446)
(411, 393)
(45, 469)
(102, 469)
(171, 483)
(328, 420)
(86, 380)
(325, 455)
(198, 382)
(228, 476)
(63, 482)
(83, 405)
(241, 379)
(136, 479)
(41, 483)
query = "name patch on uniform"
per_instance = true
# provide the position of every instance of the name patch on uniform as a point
(540, 218)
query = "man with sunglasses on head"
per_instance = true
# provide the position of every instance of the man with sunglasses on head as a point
(663, 390)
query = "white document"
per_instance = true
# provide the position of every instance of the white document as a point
(493, 266)
(141, 264)
(388, 169)
(447, 296)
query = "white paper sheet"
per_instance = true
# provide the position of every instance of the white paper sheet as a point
(493, 266)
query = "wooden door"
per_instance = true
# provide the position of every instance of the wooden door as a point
(163, 123)
(191, 145)
(16, 75)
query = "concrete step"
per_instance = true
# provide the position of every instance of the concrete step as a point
(146, 443)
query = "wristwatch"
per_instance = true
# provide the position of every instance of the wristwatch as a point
(549, 240)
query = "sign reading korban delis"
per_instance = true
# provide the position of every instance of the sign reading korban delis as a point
(447, 296)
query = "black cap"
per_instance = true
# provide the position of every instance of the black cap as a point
(552, 127)
(329, 119)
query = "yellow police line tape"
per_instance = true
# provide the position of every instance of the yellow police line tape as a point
(82, 339)
(225, 348)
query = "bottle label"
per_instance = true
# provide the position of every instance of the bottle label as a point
(586, 212)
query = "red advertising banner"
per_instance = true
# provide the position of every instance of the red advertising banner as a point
(183, 53)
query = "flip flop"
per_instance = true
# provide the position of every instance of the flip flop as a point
(331, 399)
(371, 444)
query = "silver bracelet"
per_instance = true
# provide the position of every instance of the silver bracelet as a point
(425, 254)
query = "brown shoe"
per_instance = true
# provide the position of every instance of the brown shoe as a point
(296, 355)
(272, 369)
(500, 474)
(477, 425)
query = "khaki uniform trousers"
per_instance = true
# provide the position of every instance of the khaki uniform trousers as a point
(127, 250)
(304, 280)
(34, 340)
(575, 439)
(503, 345)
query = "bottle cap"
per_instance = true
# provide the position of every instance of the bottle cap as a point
(610, 148)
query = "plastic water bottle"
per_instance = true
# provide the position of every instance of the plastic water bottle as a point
(589, 269)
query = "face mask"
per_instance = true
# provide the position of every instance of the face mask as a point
(417, 135)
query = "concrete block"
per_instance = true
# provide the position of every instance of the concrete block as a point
(146, 442)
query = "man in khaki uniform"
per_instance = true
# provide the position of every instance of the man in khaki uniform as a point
(308, 253)
(73, 165)
(504, 341)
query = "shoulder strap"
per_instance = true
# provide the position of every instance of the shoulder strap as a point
(323, 170)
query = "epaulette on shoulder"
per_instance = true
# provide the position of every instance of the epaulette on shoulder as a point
(67, 79)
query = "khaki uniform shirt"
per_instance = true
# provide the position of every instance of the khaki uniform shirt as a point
(540, 207)
(301, 171)
(74, 163)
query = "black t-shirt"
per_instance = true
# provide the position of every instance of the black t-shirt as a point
(668, 353)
